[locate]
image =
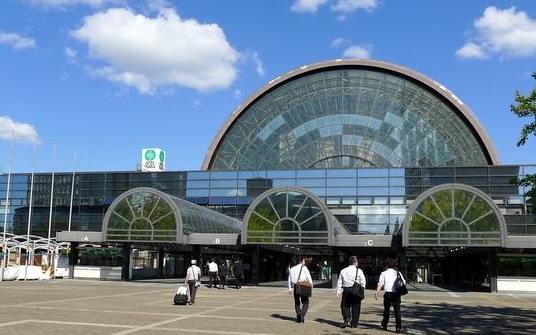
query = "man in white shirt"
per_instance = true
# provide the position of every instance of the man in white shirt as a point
(192, 279)
(299, 272)
(212, 274)
(390, 297)
(350, 304)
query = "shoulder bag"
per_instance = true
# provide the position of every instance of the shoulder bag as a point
(357, 289)
(399, 285)
(303, 288)
(197, 279)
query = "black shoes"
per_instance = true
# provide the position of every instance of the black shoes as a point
(398, 330)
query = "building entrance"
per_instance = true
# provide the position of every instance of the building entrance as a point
(461, 267)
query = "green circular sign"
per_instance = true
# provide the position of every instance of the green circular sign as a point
(150, 155)
(162, 156)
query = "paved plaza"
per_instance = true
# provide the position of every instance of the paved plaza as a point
(65, 306)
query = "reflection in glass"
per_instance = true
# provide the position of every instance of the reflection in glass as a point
(454, 217)
(287, 217)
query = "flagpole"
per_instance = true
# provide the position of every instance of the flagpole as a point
(28, 250)
(4, 244)
(51, 203)
(72, 193)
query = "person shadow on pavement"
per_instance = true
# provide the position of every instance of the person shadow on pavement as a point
(284, 317)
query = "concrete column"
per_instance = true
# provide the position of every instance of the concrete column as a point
(335, 268)
(126, 271)
(492, 269)
(255, 258)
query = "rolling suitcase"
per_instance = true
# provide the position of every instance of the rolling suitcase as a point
(181, 297)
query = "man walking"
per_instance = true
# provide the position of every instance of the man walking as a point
(212, 274)
(192, 279)
(238, 274)
(297, 273)
(390, 297)
(350, 304)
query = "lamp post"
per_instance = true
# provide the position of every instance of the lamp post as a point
(4, 243)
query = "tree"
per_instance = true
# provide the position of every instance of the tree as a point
(525, 107)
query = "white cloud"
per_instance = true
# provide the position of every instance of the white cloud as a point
(67, 3)
(16, 41)
(340, 6)
(70, 53)
(337, 42)
(506, 33)
(18, 131)
(158, 5)
(307, 6)
(357, 51)
(237, 94)
(148, 53)
(259, 67)
(471, 50)
(350, 6)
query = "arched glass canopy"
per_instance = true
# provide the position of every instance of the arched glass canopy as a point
(350, 113)
(148, 215)
(289, 215)
(454, 215)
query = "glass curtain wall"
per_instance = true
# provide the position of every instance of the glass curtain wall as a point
(366, 201)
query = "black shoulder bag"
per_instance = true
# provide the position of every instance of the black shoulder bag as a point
(399, 285)
(357, 289)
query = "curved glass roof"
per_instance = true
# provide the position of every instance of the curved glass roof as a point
(350, 113)
(148, 215)
(289, 215)
(454, 215)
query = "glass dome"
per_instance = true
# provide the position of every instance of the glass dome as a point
(148, 215)
(353, 113)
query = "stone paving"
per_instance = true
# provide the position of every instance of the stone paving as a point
(65, 306)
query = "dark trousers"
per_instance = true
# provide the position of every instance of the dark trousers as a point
(212, 279)
(301, 305)
(238, 281)
(193, 290)
(350, 307)
(390, 298)
(223, 281)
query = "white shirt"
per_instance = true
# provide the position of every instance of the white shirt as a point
(212, 267)
(293, 275)
(387, 279)
(193, 273)
(347, 278)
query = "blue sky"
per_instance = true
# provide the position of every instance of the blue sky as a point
(87, 84)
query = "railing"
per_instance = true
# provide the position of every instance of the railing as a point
(287, 237)
(455, 238)
(154, 235)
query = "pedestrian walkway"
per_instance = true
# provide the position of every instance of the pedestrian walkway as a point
(96, 307)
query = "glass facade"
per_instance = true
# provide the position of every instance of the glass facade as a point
(288, 216)
(348, 116)
(454, 215)
(365, 201)
(149, 215)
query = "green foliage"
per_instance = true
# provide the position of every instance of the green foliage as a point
(526, 107)
(261, 225)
